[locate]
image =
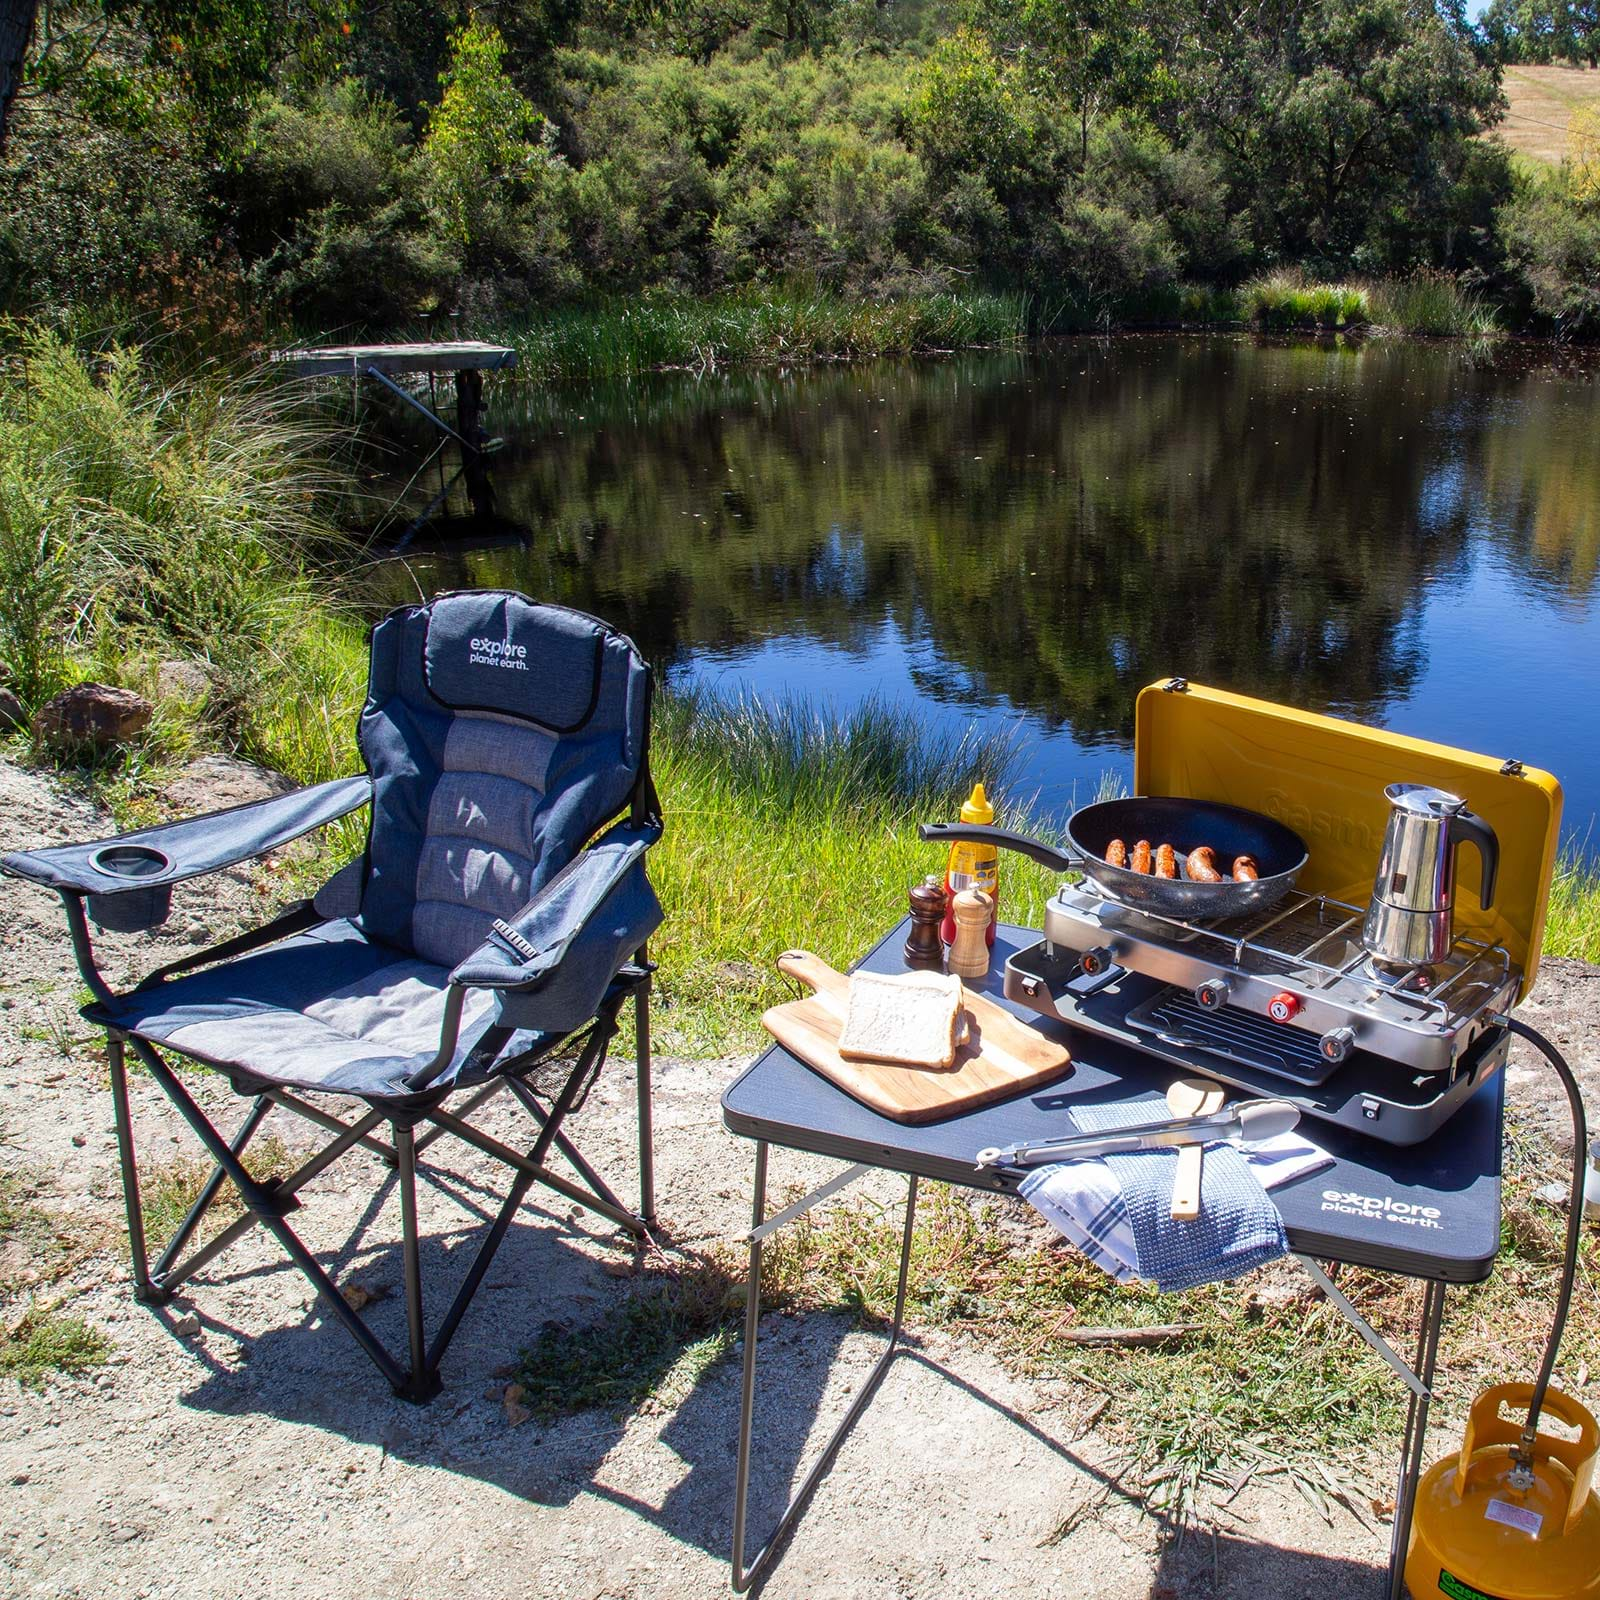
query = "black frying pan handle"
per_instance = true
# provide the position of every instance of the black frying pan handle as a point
(1023, 843)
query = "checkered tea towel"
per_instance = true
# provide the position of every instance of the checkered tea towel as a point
(1118, 1209)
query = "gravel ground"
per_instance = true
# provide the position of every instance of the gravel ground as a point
(260, 1455)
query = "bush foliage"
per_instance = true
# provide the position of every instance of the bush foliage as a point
(413, 157)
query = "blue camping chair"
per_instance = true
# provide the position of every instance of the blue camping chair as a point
(480, 943)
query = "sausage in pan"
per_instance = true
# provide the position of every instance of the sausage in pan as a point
(1140, 860)
(1202, 865)
(1166, 861)
(1245, 869)
(1116, 854)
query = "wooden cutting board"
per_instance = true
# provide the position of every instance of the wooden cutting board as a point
(1002, 1055)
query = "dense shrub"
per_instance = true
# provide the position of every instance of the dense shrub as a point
(1553, 241)
(331, 211)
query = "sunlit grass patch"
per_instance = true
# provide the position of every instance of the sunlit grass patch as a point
(168, 1189)
(650, 1351)
(1572, 925)
(790, 825)
(42, 1340)
(1432, 303)
(772, 326)
(1283, 302)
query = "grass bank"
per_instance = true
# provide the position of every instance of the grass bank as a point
(621, 338)
(787, 327)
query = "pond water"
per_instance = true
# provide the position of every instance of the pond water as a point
(1390, 531)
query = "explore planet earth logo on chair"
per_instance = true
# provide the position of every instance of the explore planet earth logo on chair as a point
(1385, 1209)
(500, 653)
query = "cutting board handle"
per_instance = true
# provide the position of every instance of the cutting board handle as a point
(813, 972)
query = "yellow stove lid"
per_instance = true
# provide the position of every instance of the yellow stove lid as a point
(1325, 778)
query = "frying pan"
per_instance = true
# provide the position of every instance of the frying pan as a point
(1184, 824)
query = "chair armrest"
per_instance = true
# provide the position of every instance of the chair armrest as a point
(192, 847)
(603, 889)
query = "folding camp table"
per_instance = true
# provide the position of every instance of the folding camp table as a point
(1429, 1211)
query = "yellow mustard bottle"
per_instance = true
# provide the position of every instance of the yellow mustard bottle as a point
(972, 866)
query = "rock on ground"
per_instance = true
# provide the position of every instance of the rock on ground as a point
(91, 714)
(237, 1444)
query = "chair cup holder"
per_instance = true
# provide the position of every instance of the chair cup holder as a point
(139, 905)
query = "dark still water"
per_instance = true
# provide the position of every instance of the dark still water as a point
(1391, 532)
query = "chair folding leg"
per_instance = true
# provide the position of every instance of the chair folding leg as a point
(422, 1383)
(302, 1175)
(471, 1104)
(575, 1156)
(644, 1091)
(142, 1290)
(268, 1204)
(208, 1193)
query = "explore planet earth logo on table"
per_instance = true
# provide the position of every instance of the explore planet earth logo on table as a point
(1385, 1209)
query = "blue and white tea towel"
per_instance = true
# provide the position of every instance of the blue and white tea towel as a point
(1118, 1209)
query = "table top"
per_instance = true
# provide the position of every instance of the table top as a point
(1430, 1210)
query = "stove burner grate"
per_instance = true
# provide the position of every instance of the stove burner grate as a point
(1175, 1019)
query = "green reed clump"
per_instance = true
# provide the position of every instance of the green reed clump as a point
(1282, 302)
(788, 825)
(149, 514)
(623, 337)
(1432, 303)
(1572, 925)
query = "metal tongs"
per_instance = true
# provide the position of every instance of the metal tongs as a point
(1246, 1122)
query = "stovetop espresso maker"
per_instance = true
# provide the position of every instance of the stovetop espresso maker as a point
(1409, 920)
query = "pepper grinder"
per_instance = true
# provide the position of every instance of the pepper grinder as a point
(969, 955)
(923, 945)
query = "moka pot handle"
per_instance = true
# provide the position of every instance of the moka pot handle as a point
(1469, 828)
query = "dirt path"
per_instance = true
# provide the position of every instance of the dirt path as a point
(262, 1456)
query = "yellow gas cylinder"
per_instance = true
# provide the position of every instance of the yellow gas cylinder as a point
(1482, 1530)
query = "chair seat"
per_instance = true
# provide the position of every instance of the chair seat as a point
(329, 1010)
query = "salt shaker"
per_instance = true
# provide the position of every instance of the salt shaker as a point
(926, 902)
(969, 955)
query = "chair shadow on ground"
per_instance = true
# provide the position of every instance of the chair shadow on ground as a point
(308, 1372)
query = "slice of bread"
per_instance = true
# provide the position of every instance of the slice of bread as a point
(912, 1020)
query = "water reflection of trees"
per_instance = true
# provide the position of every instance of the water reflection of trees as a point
(1062, 528)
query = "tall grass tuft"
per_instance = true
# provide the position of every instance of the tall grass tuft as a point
(1282, 302)
(148, 514)
(1432, 303)
(1572, 925)
(787, 825)
(621, 338)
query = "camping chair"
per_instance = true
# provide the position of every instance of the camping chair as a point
(476, 945)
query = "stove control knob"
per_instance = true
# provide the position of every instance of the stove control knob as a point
(1097, 960)
(1337, 1043)
(1212, 995)
(1284, 1007)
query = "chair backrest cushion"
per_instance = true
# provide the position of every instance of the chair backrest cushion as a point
(500, 734)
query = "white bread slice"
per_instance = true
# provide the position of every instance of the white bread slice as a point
(910, 1020)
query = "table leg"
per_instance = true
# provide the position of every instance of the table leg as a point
(746, 1575)
(1405, 1494)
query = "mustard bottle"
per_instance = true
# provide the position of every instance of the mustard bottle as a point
(972, 866)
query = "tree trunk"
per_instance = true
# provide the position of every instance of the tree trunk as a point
(16, 28)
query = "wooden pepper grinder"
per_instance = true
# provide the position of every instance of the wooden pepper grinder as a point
(969, 955)
(924, 948)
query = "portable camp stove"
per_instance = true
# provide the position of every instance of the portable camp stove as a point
(1283, 1003)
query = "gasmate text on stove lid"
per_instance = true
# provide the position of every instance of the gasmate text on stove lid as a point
(1325, 778)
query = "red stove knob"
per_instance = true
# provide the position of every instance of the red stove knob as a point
(1284, 1007)
(1097, 960)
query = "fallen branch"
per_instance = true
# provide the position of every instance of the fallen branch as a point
(1157, 1333)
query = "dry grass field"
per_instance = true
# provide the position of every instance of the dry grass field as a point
(1542, 99)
